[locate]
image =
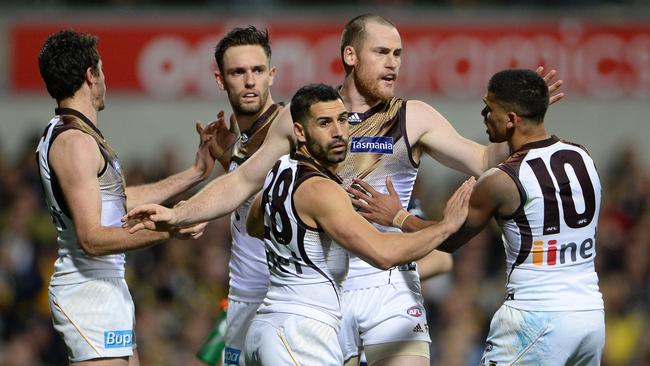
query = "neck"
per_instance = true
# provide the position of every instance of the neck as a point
(527, 134)
(245, 121)
(84, 107)
(353, 99)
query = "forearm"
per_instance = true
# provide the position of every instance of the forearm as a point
(162, 190)
(434, 263)
(414, 223)
(217, 199)
(110, 240)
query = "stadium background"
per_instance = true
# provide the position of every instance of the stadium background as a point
(158, 61)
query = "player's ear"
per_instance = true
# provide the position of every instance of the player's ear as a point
(513, 119)
(299, 131)
(91, 75)
(349, 56)
(271, 75)
(218, 77)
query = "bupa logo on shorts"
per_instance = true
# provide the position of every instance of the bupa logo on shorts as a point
(118, 338)
(414, 311)
(372, 144)
(231, 356)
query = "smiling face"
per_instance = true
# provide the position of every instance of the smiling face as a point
(377, 62)
(326, 132)
(246, 78)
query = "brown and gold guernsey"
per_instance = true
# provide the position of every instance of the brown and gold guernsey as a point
(379, 147)
(249, 274)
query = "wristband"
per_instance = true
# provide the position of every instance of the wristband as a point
(400, 217)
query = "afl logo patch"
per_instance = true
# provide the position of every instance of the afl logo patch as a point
(372, 144)
(414, 311)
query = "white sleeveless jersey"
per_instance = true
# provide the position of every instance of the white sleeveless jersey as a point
(73, 264)
(550, 241)
(249, 275)
(307, 268)
(379, 148)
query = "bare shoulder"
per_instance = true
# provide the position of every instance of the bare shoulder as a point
(499, 187)
(75, 148)
(318, 194)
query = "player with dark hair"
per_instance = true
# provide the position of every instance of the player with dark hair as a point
(86, 195)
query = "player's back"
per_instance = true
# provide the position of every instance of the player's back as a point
(73, 264)
(550, 241)
(306, 267)
(379, 148)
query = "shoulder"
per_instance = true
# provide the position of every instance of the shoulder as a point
(498, 188)
(318, 193)
(73, 140)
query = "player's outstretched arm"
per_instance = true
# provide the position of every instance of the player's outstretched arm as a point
(387, 210)
(495, 194)
(225, 193)
(437, 137)
(324, 203)
(163, 190)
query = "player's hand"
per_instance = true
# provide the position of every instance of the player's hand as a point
(552, 87)
(224, 139)
(374, 206)
(204, 161)
(457, 206)
(149, 217)
(191, 232)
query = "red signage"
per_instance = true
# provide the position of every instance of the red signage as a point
(599, 60)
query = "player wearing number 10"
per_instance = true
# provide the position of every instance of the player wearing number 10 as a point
(546, 198)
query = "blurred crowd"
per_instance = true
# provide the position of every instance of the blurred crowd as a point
(177, 286)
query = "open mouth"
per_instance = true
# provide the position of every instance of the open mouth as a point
(390, 78)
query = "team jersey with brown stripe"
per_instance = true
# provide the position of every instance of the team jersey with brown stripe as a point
(306, 267)
(550, 240)
(378, 148)
(249, 275)
(73, 265)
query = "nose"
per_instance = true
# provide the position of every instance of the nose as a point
(249, 79)
(337, 130)
(392, 62)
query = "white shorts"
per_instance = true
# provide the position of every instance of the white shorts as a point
(382, 314)
(545, 338)
(238, 320)
(288, 339)
(96, 318)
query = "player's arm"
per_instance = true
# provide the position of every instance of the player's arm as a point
(227, 192)
(255, 219)
(437, 137)
(171, 186)
(324, 202)
(387, 210)
(76, 161)
(495, 193)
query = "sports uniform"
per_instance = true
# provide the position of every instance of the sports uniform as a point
(89, 299)
(554, 313)
(249, 275)
(300, 316)
(381, 306)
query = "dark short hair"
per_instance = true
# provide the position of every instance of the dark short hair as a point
(522, 91)
(309, 95)
(64, 59)
(354, 31)
(249, 36)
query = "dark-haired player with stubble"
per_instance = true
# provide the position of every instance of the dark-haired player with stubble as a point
(86, 195)
(309, 227)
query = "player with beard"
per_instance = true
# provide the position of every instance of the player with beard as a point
(388, 136)
(308, 224)
(244, 71)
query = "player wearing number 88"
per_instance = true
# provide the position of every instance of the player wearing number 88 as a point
(546, 198)
(308, 224)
